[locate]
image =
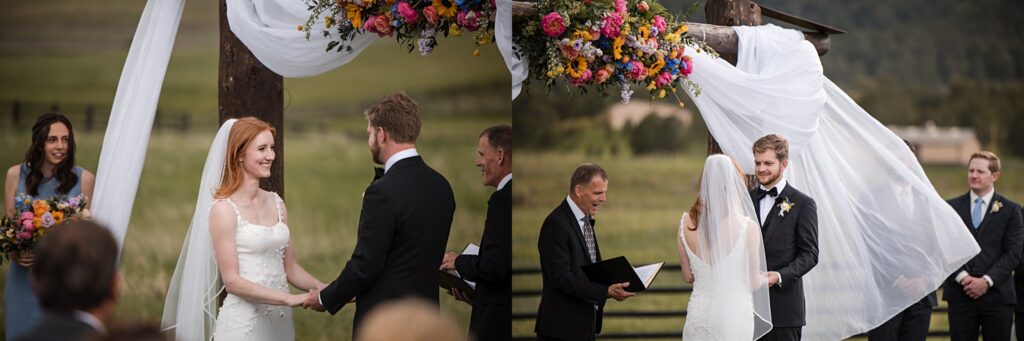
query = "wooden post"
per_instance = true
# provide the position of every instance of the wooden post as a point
(730, 13)
(247, 88)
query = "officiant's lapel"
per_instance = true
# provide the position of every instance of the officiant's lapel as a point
(575, 226)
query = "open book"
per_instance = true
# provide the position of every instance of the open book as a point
(452, 279)
(618, 270)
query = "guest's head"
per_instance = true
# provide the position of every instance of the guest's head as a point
(52, 151)
(588, 187)
(409, 320)
(494, 154)
(393, 124)
(982, 172)
(249, 156)
(771, 157)
(76, 269)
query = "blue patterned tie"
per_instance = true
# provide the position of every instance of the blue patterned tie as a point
(979, 203)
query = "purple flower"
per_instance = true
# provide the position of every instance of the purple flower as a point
(626, 92)
(47, 219)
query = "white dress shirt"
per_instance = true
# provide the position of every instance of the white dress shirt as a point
(768, 201)
(577, 212)
(399, 156)
(985, 200)
(92, 321)
(504, 181)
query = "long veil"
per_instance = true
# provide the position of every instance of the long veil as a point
(191, 306)
(729, 241)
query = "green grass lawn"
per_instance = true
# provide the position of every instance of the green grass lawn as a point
(326, 174)
(646, 198)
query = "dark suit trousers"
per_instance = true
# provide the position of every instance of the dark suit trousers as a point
(783, 334)
(965, 318)
(910, 325)
(1019, 316)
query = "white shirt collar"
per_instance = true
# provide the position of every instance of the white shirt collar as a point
(504, 181)
(399, 156)
(92, 321)
(987, 198)
(781, 186)
(576, 211)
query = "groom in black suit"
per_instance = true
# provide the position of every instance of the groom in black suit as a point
(789, 226)
(492, 268)
(403, 227)
(981, 293)
(571, 306)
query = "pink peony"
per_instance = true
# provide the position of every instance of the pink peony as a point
(620, 7)
(602, 75)
(383, 25)
(553, 24)
(612, 25)
(689, 67)
(24, 235)
(469, 20)
(663, 79)
(28, 229)
(368, 25)
(643, 7)
(27, 216)
(659, 23)
(583, 78)
(638, 71)
(430, 13)
(27, 224)
(408, 13)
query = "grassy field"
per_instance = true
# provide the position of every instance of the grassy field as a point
(325, 177)
(646, 197)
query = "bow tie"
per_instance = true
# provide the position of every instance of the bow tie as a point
(774, 192)
(377, 173)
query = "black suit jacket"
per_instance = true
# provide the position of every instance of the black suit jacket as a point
(492, 271)
(1018, 278)
(791, 249)
(1000, 237)
(403, 232)
(567, 302)
(58, 327)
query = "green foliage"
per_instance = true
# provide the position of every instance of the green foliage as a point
(657, 135)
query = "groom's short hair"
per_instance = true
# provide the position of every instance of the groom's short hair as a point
(772, 142)
(584, 174)
(398, 114)
(75, 267)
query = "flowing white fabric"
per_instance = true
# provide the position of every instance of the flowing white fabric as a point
(503, 36)
(131, 117)
(190, 309)
(886, 237)
(730, 293)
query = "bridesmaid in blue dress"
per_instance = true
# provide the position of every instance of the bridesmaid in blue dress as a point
(49, 169)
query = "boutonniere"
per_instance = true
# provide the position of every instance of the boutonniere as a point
(785, 206)
(996, 206)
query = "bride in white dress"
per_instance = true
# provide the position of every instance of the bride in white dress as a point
(238, 242)
(722, 254)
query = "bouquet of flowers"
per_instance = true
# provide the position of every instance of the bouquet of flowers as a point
(415, 23)
(33, 218)
(609, 43)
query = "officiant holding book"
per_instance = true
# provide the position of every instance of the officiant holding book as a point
(491, 268)
(572, 306)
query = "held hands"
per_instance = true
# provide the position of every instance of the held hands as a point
(773, 278)
(974, 286)
(448, 262)
(311, 300)
(23, 258)
(618, 291)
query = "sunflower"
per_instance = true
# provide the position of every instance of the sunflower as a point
(577, 67)
(446, 8)
(354, 13)
(617, 48)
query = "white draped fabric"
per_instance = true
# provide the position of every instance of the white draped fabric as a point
(131, 117)
(886, 238)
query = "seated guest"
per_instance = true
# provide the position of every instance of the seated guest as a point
(76, 278)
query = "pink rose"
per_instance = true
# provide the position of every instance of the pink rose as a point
(430, 13)
(583, 78)
(27, 224)
(553, 24)
(24, 235)
(638, 71)
(27, 216)
(383, 25)
(602, 75)
(568, 51)
(643, 7)
(620, 7)
(408, 13)
(368, 25)
(468, 20)
(612, 25)
(28, 229)
(659, 23)
(663, 79)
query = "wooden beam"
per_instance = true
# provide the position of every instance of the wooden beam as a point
(720, 37)
(247, 88)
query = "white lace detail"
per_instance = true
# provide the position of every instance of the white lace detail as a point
(260, 252)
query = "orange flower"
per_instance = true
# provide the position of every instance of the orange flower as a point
(446, 8)
(58, 217)
(37, 222)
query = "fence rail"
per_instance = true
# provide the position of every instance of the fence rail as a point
(642, 314)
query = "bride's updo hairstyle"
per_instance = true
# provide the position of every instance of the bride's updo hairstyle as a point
(697, 204)
(242, 133)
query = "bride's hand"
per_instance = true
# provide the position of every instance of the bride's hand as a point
(295, 300)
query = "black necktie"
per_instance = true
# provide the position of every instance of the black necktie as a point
(377, 173)
(774, 192)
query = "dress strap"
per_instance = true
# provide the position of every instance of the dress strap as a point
(278, 202)
(238, 214)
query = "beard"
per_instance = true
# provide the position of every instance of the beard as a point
(771, 179)
(375, 153)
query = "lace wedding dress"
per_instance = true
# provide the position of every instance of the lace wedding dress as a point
(260, 260)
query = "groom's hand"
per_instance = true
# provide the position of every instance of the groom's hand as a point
(618, 291)
(448, 262)
(773, 278)
(974, 286)
(313, 300)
